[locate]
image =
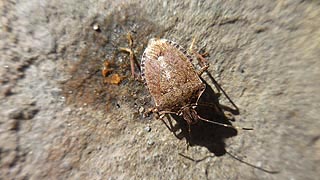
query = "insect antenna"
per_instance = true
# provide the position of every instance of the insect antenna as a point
(224, 125)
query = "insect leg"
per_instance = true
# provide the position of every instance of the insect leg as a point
(204, 67)
(225, 94)
(200, 57)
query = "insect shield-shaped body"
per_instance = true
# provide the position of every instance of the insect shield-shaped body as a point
(171, 79)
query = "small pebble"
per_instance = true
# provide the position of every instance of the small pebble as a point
(13, 125)
(141, 110)
(23, 113)
(147, 129)
(150, 142)
(96, 27)
(62, 99)
(7, 91)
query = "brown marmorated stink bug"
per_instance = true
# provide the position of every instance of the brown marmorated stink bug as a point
(172, 80)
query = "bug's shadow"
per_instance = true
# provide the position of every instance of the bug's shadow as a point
(205, 134)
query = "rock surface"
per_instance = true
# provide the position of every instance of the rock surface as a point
(60, 120)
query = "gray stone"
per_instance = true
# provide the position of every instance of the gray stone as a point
(265, 54)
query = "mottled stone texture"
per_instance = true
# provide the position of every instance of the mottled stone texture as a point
(59, 120)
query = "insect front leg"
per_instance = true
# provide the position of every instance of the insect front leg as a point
(174, 128)
(152, 110)
(200, 57)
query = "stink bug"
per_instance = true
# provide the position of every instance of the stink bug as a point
(172, 80)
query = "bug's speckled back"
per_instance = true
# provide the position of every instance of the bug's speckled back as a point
(170, 76)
